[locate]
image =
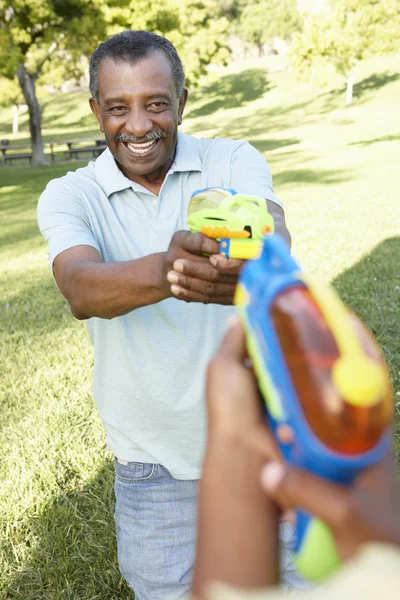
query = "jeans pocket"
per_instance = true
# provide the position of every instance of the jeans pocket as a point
(134, 472)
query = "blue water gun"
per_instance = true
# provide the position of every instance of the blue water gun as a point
(321, 373)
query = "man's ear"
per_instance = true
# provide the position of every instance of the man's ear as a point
(95, 108)
(182, 103)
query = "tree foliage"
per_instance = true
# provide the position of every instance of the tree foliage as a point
(47, 40)
(34, 33)
(197, 28)
(343, 33)
(10, 92)
(262, 20)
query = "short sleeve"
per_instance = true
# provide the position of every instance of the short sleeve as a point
(250, 173)
(63, 219)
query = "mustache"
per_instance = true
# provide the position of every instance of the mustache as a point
(150, 136)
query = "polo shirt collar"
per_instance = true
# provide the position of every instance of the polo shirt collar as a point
(111, 179)
(187, 157)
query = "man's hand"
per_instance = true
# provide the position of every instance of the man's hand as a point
(193, 276)
(368, 511)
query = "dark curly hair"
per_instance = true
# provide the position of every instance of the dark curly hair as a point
(130, 46)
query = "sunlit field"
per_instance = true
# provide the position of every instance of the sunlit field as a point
(337, 172)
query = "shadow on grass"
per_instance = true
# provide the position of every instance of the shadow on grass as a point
(384, 138)
(55, 110)
(231, 91)
(268, 145)
(360, 89)
(259, 124)
(73, 552)
(26, 184)
(60, 110)
(36, 308)
(18, 233)
(311, 176)
(371, 288)
(374, 82)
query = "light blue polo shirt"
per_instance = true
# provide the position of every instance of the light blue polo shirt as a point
(150, 364)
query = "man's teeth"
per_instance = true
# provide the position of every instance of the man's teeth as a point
(141, 148)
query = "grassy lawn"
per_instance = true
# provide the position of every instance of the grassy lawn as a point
(336, 170)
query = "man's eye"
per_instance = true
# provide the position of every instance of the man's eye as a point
(118, 109)
(157, 105)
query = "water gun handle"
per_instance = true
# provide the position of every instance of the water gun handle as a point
(238, 248)
(315, 555)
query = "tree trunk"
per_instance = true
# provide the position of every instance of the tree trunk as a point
(27, 83)
(15, 124)
(349, 89)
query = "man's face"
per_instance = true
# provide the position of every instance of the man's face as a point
(139, 113)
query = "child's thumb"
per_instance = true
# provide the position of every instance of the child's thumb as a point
(294, 488)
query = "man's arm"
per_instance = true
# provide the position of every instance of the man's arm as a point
(279, 219)
(94, 288)
(97, 289)
(251, 175)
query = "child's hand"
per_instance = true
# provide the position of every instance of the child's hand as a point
(234, 408)
(368, 511)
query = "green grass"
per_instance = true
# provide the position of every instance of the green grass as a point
(336, 170)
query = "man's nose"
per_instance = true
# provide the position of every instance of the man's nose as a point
(138, 123)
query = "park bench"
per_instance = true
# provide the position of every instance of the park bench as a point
(11, 151)
(95, 148)
(8, 157)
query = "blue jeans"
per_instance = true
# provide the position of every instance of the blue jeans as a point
(156, 532)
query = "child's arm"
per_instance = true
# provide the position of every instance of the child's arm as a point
(238, 525)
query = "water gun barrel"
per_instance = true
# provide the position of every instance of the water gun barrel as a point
(321, 373)
(239, 222)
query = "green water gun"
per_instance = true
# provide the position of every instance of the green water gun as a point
(239, 222)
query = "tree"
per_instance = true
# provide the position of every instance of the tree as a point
(197, 28)
(202, 35)
(343, 33)
(10, 93)
(37, 35)
(262, 20)
(35, 32)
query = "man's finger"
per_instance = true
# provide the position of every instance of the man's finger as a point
(294, 488)
(196, 243)
(207, 288)
(193, 296)
(202, 270)
(226, 265)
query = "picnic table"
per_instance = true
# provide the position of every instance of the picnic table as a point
(12, 151)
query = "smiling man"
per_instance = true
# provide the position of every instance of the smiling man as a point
(155, 305)
(141, 128)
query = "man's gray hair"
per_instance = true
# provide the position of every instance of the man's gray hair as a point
(130, 46)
